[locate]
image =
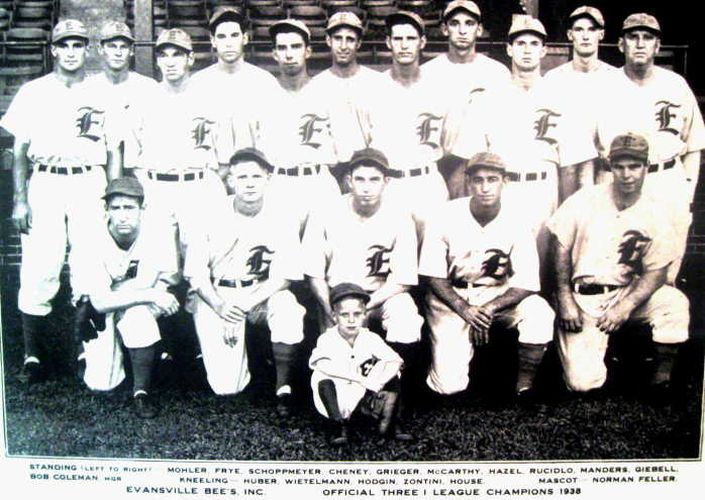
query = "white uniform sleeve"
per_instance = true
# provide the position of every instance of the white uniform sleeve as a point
(316, 248)
(525, 261)
(695, 136)
(403, 261)
(288, 261)
(563, 223)
(197, 263)
(434, 250)
(17, 120)
(382, 350)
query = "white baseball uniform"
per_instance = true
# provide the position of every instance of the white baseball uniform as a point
(297, 140)
(408, 127)
(238, 258)
(103, 265)
(610, 248)
(665, 112)
(127, 99)
(368, 351)
(67, 155)
(481, 263)
(349, 101)
(340, 247)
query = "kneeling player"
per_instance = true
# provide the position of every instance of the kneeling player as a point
(482, 266)
(353, 368)
(241, 273)
(120, 275)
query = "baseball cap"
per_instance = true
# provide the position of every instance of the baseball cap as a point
(115, 29)
(405, 17)
(226, 13)
(641, 21)
(176, 37)
(590, 12)
(526, 24)
(629, 144)
(251, 154)
(369, 157)
(470, 7)
(69, 28)
(344, 18)
(127, 186)
(289, 25)
(487, 160)
(344, 290)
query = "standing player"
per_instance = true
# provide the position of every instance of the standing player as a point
(408, 122)
(127, 92)
(297, 133)
(121, 277)
(364, 240)
(241, 273)
(613, 245)
(232, 93)
(482, 268)
(67, 152)
(581, 84)
(660, 105)
(347, 87)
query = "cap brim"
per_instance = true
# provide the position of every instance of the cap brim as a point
(174, 44)
(330, 29)
(364, 297)
(247, 156)
(588, 16)
(641, 27)
(446, 15)
(512, 36)
(226, 16)
(347, 167)
(69, 35)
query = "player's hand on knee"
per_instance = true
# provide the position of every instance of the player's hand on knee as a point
(569, 318)
(479, 336)
(166, 302)
(232, 333)
(22, 216)
(613, 319)
(477, 317)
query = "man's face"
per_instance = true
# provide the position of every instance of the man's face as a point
(406, 44)
(247, 180)
(462, 30)
(639, 47)
(485, 186)
(291, 52)
(116, 53)
(349, 314)
(526, 51)
(70, 54)
(344, 43)
(229, 41)
(367, 185)
(124, 215)
(585, 35)
(628, 174)
(174, 63)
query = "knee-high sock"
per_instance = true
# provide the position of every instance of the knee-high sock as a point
(663, 362)
(31, 328)
(329, 398)
(142, 359)
(284, 357)
(530, 356)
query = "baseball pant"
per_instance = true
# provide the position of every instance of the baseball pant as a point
(583, 354)
(226, 365)
(137, 327)
(400, 319)
(451, 346)
(65, 208)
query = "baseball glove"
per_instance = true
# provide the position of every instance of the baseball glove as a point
(88, 322)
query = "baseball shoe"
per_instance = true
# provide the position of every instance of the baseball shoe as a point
(144, 405)
(284, 405)
(341, 437)
(526, 398)
(401, 434)
(31, 372)
(81, 366)
(660, 394)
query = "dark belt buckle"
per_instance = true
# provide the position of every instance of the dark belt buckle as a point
(61, 170)
(513, 176)
(292, 171)
(189, 177)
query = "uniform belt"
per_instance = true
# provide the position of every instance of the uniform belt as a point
(655, 167)
(526, 176)
(64, 170)
(237, 283)
(296, 171)
(465, 284)
(186, 176)
(594, 289)
(413, 172)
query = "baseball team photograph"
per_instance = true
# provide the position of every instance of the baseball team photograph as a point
(352, 231)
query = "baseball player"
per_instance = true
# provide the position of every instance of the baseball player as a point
(658, 104)
(464, 74)
(613, 245)
(581, 82)
(353, 366)
(347, 87)
(241, 273)
(121, 277)
(535, 141)
(297, 135)
(231, 92)
(67, 151)
(127, 92)
(365, 240)
(408, 122)
(482, 267)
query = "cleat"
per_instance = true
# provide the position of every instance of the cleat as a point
(400, 434)
(341, 437)
(284, 405)
(144, 406)
(31, 372)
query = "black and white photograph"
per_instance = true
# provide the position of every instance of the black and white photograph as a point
(352, 248)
